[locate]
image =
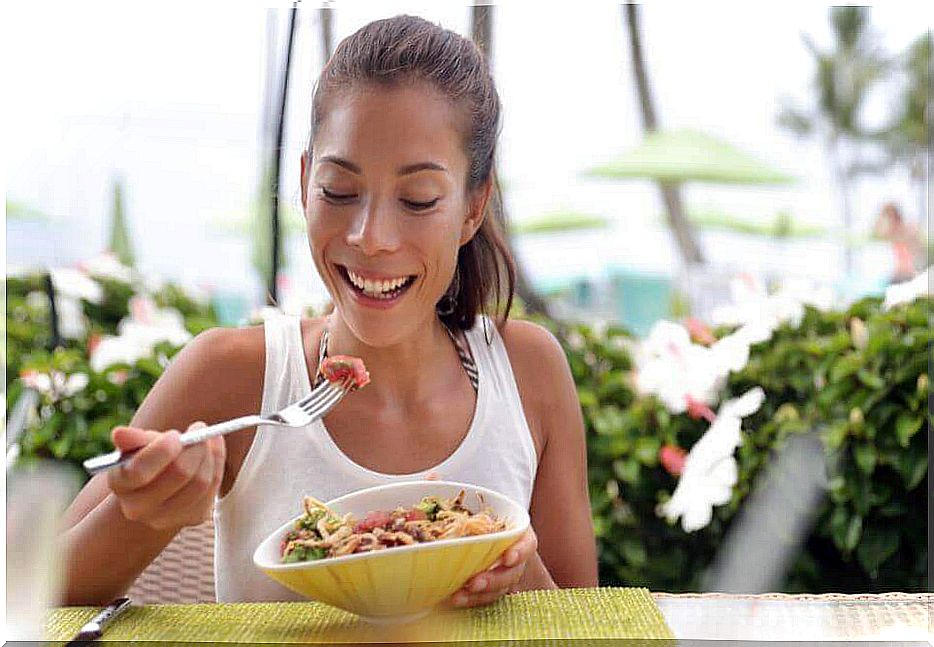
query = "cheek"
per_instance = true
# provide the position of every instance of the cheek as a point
(321, 226)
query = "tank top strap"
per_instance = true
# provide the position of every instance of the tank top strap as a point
(284, 361)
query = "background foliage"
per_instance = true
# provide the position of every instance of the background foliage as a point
(866, 394)
(859, 376)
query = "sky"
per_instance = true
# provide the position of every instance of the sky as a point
(171, 100)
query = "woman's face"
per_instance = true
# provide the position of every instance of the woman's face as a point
(386, 206)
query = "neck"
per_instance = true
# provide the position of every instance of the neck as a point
(403, 372)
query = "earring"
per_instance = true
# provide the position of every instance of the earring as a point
(448, 303)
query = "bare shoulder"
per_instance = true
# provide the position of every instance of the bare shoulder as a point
(529, 342)
(541, 370)
(217, 375)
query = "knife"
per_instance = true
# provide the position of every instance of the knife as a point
(95, 628)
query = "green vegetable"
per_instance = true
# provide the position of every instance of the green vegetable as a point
(430, 506)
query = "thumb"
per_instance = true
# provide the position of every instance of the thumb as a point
(127, 438)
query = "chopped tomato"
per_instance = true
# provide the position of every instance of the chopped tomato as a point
(339, 367)
(373, 520)
(415, 515)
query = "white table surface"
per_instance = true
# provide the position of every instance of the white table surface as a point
(884, 617)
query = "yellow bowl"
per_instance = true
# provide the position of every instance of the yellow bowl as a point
(400, 583)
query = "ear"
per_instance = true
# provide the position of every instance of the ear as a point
(306, 165)
(476, 211)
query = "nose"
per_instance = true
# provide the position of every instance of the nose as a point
(375, 229)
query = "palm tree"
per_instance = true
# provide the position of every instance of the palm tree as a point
(120, 243)
(671, 192)
(842, 80)
(908, 138)
(481, 31)
(325, 14)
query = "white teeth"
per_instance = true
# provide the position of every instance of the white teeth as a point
(375, 288)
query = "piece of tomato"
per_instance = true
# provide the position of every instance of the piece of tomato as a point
(373, 520)
(339, 367)
(415, 515)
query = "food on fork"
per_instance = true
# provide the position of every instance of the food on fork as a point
(320, 533)
(338, 368)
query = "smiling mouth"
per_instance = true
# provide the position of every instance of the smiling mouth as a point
(381, 290)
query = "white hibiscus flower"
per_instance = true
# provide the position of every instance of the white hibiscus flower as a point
(710, 470)
(69, 282)
(55, 384)
(676, 370)
(146, 326)
(107, 265)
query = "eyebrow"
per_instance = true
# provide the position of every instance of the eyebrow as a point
(405, 170)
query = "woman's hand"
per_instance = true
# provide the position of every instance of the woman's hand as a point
(165, 485)
(503, 576)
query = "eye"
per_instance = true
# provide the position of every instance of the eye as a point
(420, 206)
(331, 196)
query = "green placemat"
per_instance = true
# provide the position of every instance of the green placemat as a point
(531, 615)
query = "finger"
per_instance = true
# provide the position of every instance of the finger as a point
(140, 503)
(503, 577)
(185, 502)
(140, 470)
(128, 438)
(466, 600)
(432, 476)
(520, 551)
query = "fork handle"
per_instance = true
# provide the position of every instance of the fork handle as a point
(106, 461)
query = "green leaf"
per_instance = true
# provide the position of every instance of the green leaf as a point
(906, 427)
(913, 467)
(870, 379)
(865, 457)
(879, 542)
(646, 450)
(608, 420)
(845, 366)
(853, 532)
(634, 552)
(836, 434)
(627, 470)
(839, 521)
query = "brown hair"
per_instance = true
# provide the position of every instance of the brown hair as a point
(407, 48)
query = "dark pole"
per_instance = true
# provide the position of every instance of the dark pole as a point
(481, 31)
(276, 161)
(53, 313)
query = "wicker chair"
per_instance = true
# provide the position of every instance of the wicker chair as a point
(183, 573)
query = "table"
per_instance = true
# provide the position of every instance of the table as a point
(530, 616)
(535, 616)
(780, 617)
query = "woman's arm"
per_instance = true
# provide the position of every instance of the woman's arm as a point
(560, 508)
(122, 519)
(561, 549)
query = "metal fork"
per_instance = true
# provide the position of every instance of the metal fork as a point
(315, 405)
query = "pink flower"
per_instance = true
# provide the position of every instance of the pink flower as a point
(697, 410)
(699, 331)
(672, 459)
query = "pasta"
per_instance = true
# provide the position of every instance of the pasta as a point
(320, 533)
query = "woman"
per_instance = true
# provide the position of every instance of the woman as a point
(906, 243)
(396, 187)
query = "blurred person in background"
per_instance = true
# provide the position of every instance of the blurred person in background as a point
(905, 239)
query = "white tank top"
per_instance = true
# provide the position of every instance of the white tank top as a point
(283, 465)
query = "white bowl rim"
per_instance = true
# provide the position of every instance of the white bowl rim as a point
(516, 530)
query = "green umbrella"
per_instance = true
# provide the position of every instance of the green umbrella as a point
(687, 156)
